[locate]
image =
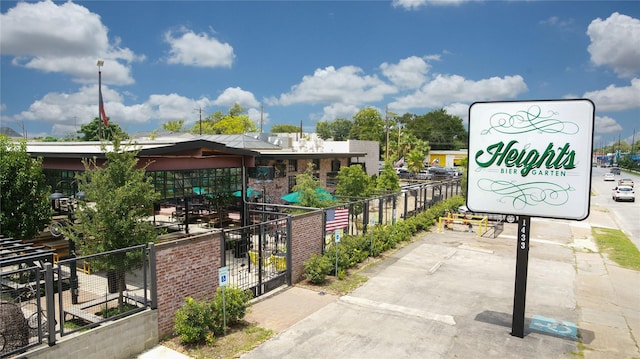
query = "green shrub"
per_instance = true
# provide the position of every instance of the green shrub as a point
(378, 239)
(236, 302)
(192, 321)
(317, 268)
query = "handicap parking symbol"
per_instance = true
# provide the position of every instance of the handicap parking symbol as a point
(552, 326)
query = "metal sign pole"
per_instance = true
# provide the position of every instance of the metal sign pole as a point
(520, 291)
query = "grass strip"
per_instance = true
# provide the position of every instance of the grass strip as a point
(617, 246)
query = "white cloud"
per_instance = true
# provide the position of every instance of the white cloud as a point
(557, 22)
(338, 110)
(606, 125)
(407, 73)
(256, 115)
(615, 98)
(233, 95)
(615, 42)
(459, 109)
(344, 85)
(416, 4)
(78, 41)
(447, 89)
(66, 112)
(200, 50)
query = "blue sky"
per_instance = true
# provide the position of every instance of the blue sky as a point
(312, 60)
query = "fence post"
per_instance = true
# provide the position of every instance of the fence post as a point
(289, 250)
(153, 276)
(393, 212)
(365, 216)
(50, 304)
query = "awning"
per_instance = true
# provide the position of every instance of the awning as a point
(294, 197)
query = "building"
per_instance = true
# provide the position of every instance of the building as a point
(211, 170)
(447, 158)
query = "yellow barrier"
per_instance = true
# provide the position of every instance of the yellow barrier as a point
(482, 222)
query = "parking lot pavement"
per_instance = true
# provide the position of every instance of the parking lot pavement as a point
(450, 295)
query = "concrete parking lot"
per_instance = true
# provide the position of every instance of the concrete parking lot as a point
(450, 295)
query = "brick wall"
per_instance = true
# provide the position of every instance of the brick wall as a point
(306, 239)
(189, 266)
(185, 267)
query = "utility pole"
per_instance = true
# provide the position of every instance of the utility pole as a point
(199, 109)
(100, 63)
(261, 118)
(386, 118)
(633, 142)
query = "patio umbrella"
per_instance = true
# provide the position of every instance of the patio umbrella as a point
(294, 197)
(250, 193)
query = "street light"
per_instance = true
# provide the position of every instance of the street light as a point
(100, 64)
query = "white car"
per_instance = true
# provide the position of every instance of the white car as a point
(623, 193)
(609, 177)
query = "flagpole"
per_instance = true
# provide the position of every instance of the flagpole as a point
(100, 63)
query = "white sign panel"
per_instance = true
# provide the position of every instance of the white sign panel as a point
(531, 158)
(223, 276)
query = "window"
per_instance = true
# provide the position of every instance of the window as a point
(293, 166)
(316, 164)
(292, 182)
(335, 165)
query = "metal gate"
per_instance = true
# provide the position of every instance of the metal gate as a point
(258, 256)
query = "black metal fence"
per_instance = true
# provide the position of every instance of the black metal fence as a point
(412, 199)
(43, 301)
(257, 256)
(23, 318)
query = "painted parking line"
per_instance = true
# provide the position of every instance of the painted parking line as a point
(411, 312)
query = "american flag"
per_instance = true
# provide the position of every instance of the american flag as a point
(105, 120)
(337, 218)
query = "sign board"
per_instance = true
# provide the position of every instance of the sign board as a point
(338, 235)
(223, 276)
(531, 158)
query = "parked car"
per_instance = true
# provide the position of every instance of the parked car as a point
(403, 173)
(625, 182)
(609, 177)
(440, 173)
(424, 175)
(623, 193)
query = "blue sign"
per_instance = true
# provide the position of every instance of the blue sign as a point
(223, 276)
(553, 326)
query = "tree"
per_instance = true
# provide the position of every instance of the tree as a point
(91, 131)
(323, 130)
(310, 191)
(415, 161)
(441, 130)
(338, 129)
(233, 122)
(285, 128)
(388, 179)
(120, 197)
(173, 126)
(368, 125)
(25, 209)
(234, 125)
(353, 181)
